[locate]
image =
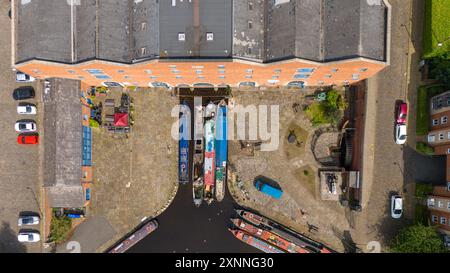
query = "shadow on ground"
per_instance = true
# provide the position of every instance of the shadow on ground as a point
(8, 240)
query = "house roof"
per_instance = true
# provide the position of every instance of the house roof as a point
(127, 31)
(63, 143)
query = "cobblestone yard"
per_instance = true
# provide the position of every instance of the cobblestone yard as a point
(293, 166)
(135, 175)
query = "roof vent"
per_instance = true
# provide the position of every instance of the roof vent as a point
(209, 36)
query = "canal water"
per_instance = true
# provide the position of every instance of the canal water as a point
(184, 228)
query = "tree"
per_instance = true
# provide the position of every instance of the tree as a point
(418, 239)
(59, 228)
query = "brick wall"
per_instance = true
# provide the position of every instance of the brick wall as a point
(175, 73)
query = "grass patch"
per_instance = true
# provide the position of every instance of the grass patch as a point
(328, 111)
(422, 190)
(436, 27)
(424, 148)
(59, 228)
(423, 114)
(421, 215)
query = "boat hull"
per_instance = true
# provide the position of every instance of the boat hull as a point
(185, 134)
(221, 151)
(210, 151)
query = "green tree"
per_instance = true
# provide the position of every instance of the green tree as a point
(418, 239)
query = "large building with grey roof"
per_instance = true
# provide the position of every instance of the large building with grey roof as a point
(137, 42)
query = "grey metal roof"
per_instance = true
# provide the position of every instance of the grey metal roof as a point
(214, 16)
(130, 30)
(63, 143)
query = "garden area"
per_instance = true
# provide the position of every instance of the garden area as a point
(436, 28)
(328, 109)
(423, 106)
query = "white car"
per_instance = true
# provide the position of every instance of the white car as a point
(396, 206)
(26, 220)
(400, 134)
(27, 109)
(28, 237)
(25, 126)
(22, 77)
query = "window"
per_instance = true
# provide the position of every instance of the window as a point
(440, 204)
(434, 218)
(172, 66)
(435, 122)
(143, 26)
(444, 120)
(277, 71)
(143, 51)
(198, 71)
(221, 71)
(221, 77)
(301, 76)
(355, 77)
(448, 151)
(448, 186)
(441, 136)
(448, 205)
(430, 202)
(327, 76)
(448, 135)
(431, 138)
(71, 71)
(363, 69)
(175, 71)
(334, 70)
(250, 24)
(320, 82)
(148, 71)
(275, 77)
(221, 66)
(249, 76)
(178, 77)
(305, 70)
(249, 51)
(94, 71)
(104, 77)
(443, 221)
(249, 71)
(120, 71)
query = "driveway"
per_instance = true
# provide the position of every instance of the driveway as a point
(389, 167)
(19, 165)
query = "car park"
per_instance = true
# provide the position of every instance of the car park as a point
(28, 237)
(396, 206)
(28, 220)
(401, 113)
(25, 139)
(22, 77)
(24, 93)
(25, 126)
(26, 109)
(400, 134)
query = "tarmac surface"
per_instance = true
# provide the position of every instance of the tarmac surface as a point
(184, 228)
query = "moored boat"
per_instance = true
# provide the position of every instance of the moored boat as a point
(255, 242)
(284, 232)
(185, 135)
(209, 163)
(197, 169)
(268, 237)
(135, 237)
(221, 150)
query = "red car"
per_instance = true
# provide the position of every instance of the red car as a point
(402, 111)
(28, 139)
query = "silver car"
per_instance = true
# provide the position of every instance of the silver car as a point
(25, 126)
(396, 206)
(28, 220)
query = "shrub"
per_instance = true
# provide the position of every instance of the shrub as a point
(59, 228)
(93, 123)
(418, 239)
(328, 111)
(424, 148)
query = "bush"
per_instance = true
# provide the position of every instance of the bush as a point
(93, 123)
(418, 239)
(422, 190)
(424, 148)
(421, 215)
(59, 228)
(328, 111)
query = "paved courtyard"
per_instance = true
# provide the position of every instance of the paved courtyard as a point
(19, 165)
(135, 175)
(291, 165)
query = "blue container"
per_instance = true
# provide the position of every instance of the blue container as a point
(269, 190)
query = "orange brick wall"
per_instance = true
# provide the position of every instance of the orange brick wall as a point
(235, 72)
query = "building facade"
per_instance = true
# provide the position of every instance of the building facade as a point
(439, 207)
(248, 42)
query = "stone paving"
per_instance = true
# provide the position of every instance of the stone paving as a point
(300, 206)
(135, 175)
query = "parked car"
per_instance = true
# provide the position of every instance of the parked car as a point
(400, 134)
(25, 126)
(23, 93)
(28, 139)
(22, 77)
(402, 112)
(26, 109)
(28, 220)
(396, 206)
(28, 237)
